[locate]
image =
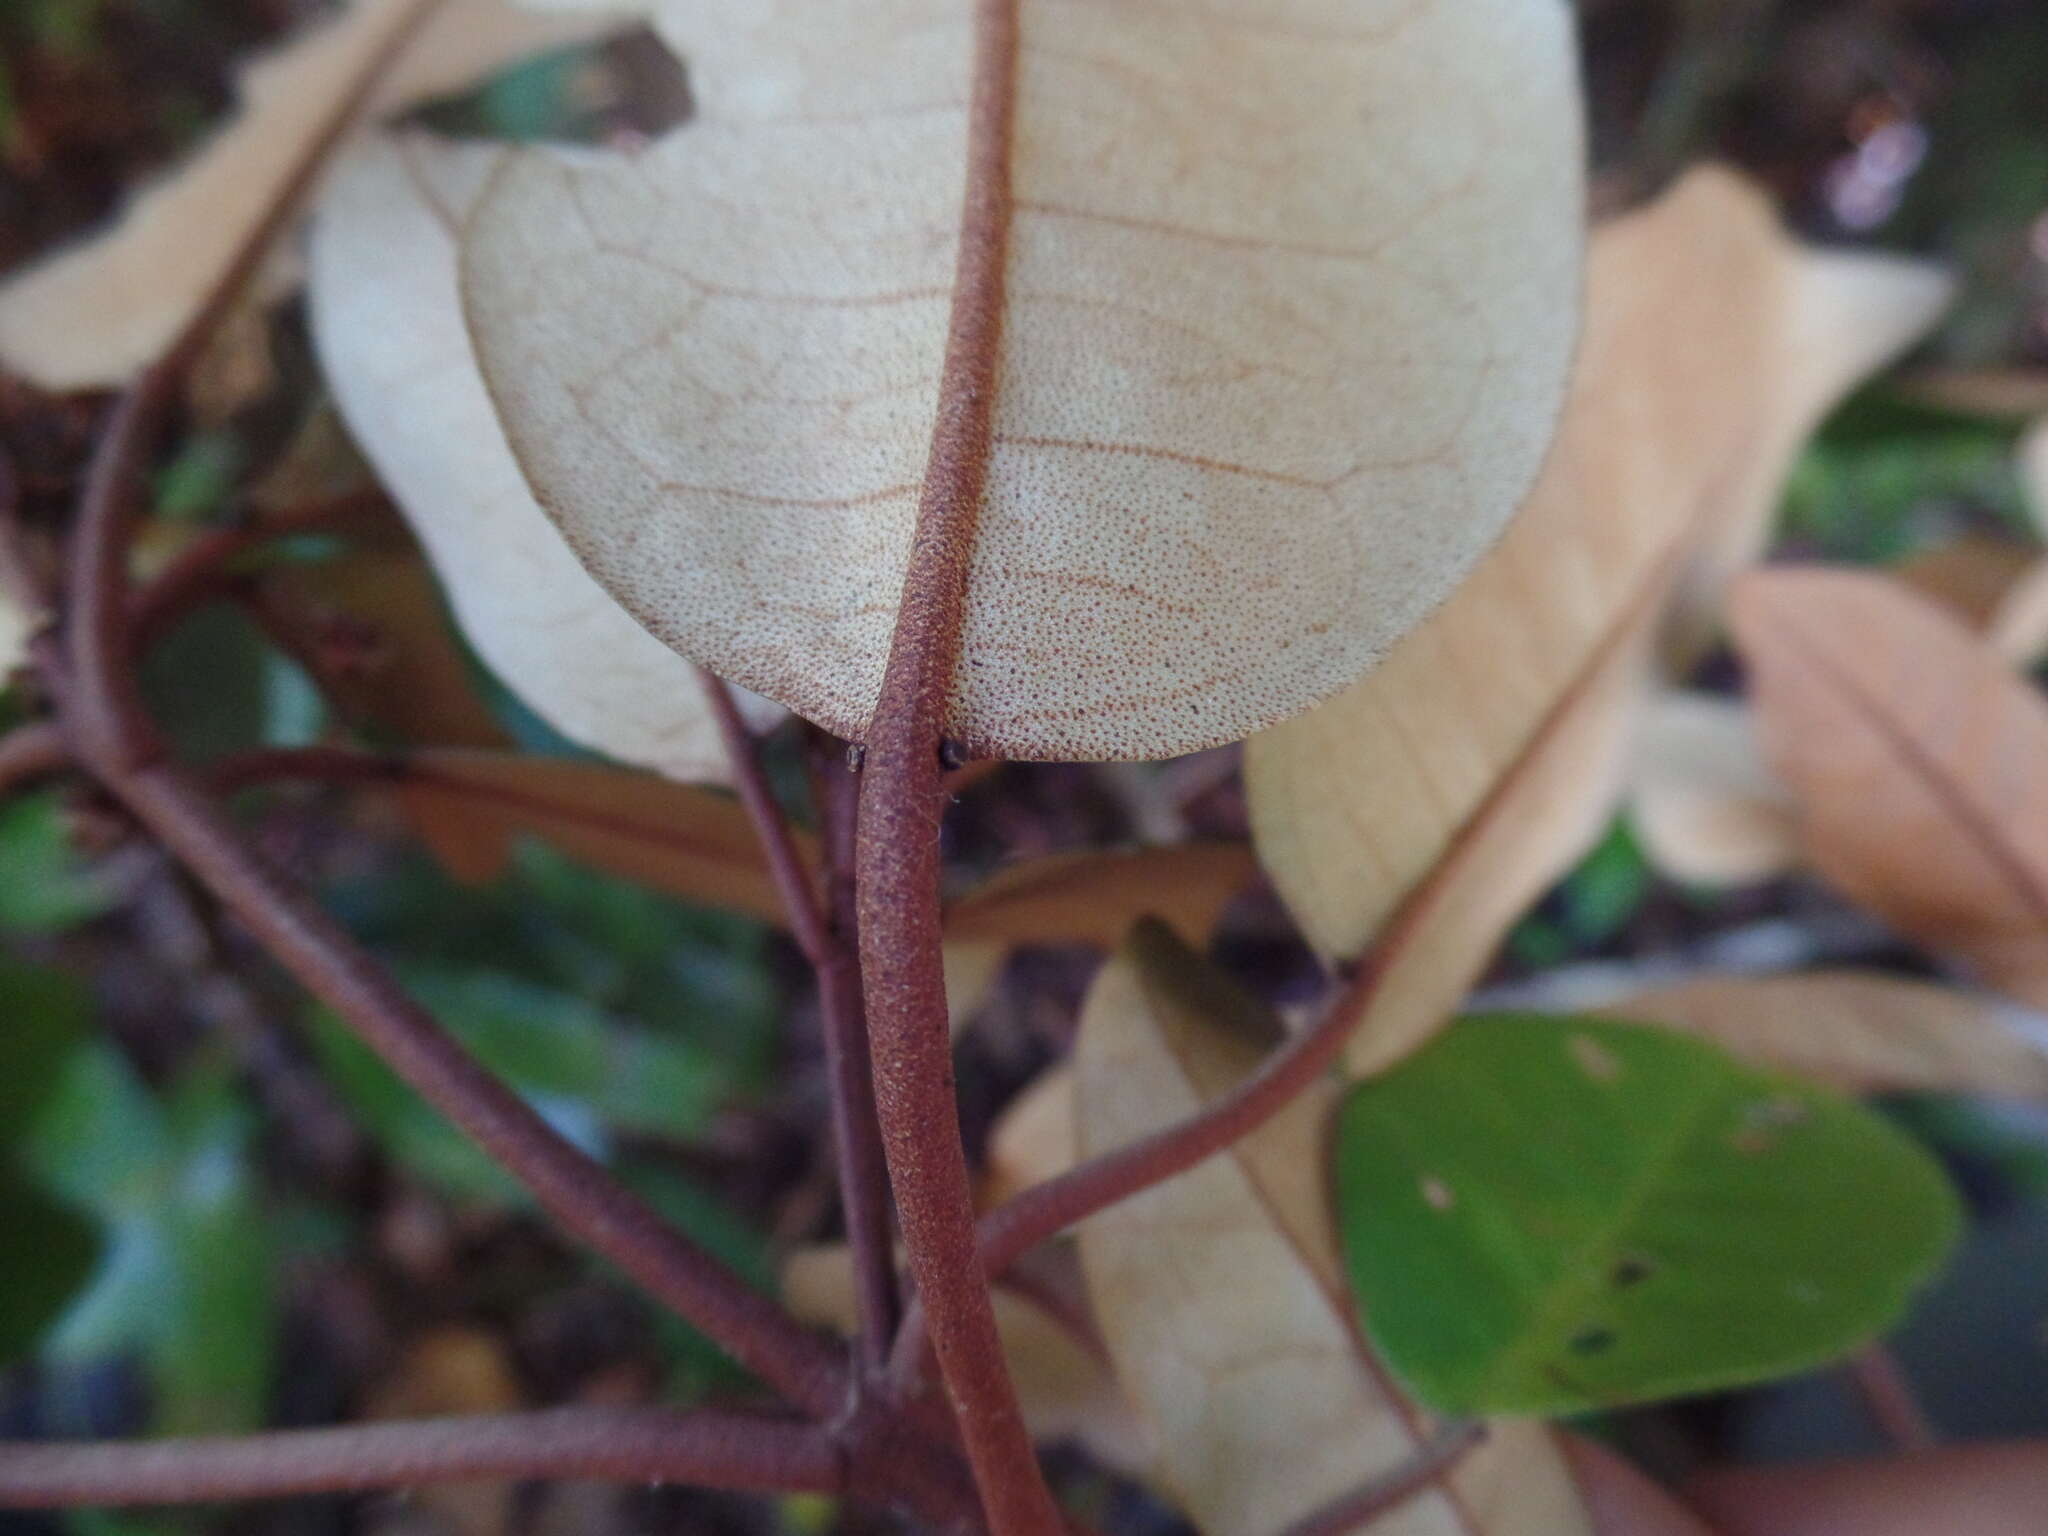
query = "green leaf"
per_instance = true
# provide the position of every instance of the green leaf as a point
(588, 1072)
(189, 1277)
(46, 1256)
(1546, 1215)
(47, 1014)
(45, 884)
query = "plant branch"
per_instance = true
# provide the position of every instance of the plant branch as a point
(575, 1189)
(826, 944)
(1044, 1210)
(32, 751)
(1395, 1487)
(712, 1450)
(204, 569)
(1889, 1400)
(863, 1166)
(115, 740)
(901, 801)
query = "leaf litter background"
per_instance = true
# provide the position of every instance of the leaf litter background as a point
(289, 1240)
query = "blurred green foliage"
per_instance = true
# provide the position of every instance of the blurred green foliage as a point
(188, 1280)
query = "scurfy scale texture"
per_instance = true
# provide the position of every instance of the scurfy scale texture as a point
(1289, 297)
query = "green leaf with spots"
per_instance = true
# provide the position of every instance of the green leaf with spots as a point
(1547, 1215)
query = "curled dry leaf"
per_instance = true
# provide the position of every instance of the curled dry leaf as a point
(692, 843)
(1704, 804)
(388, 320)
(1085, 898)
(1498, 731)
(1221, 1295)
(1285, 296)
(1861, 1031)
(92, 315)
(1920, 763)
(1064, 1386)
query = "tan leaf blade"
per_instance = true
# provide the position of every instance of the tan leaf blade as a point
(94, 314)
(1861, 1031)
(1266, 384)
(688, 842)
(388, 321)
(1704, 804)
(1500, 728)
(1220, 1293)
(1919, 760)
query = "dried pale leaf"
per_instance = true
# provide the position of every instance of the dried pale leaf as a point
(1845, 315)
(2019, 626)
(689, 842)
(1220, 1292)
(1861, 1031)
(1065, 1388)
(94, 314)
(1287, 299)
(1500, 727)
(389, 325)
(1920, 763)
(971, 971)
(380, 646)
(1704, 804)
(1033, 1139)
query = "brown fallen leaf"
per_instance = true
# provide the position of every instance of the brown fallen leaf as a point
(1094, 897)
(1920, 763)
(381, 649)
(1972, 575)
(692, 843)
(1221, 1295)
(91, 315)
(1085, 898)
(1996, 392)
(1286, 301)
(388, 321)
(1500, 728)
(1064, 1386)
(1861, 1031)
(1703, 803)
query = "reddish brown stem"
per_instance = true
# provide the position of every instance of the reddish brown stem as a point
(31, 751)
(857, 1143)
(713, 1450)
(204, 570)
(1888, 1398)
(115, 740)
(863, 1166)
(1388, 1492)
(578, 1192)
(897, 860)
